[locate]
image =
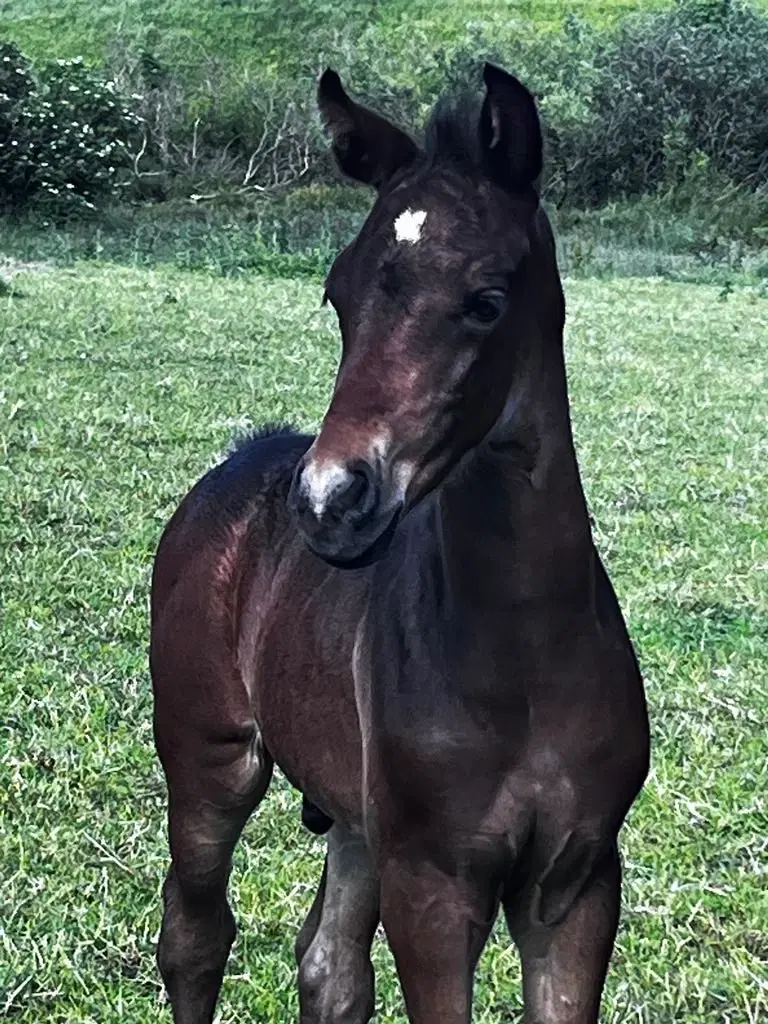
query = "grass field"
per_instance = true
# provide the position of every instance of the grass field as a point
(120, 386)
(299, 233)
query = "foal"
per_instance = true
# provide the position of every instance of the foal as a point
(407, 613)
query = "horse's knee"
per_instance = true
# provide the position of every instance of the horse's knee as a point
(197, 931)
(336, 986)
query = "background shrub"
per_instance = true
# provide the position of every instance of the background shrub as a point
(673, 100)
(632, 109)
(17, 85)
(672, 87)
(67, 130)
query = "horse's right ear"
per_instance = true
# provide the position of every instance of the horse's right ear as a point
(510, 132)
(367, 147)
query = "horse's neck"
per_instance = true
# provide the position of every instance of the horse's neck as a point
(514, 520)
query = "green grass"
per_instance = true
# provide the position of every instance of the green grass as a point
(299, 233)
(120, 386)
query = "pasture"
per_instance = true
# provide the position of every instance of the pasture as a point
(120, 387)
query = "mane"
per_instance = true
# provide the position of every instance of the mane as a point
(267, 430)
(452, 132)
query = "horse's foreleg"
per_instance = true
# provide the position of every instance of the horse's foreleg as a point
(336, 984)
(211, 793)
(437, 926)
(565, 963)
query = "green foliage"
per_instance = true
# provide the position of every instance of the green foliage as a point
(705, 231)
(672, 87)
(638, 107)
(65, 131)
(296, 236)
(658, 102)
(271, 36)
(705, 12)
(17, 86)
(16, 80)
(705, 234)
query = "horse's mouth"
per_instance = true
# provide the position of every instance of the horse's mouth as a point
(359, 551)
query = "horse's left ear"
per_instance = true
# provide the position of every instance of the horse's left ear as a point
(367, 146)
(510, 132)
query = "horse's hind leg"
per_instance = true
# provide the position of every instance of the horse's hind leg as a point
(336, 983)
(212, 789)
(319, 823)
(311, 924)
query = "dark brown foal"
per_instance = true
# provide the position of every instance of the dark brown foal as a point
(407, 613)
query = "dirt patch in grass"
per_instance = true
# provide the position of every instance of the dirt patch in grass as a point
(10, 267)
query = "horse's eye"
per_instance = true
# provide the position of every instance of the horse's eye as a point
(485, 307)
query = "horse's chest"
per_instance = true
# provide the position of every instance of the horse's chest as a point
(482, 769)
(469, 727)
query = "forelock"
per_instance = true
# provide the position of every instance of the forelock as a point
(452, 133)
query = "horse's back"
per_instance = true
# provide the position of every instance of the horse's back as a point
(206, 532)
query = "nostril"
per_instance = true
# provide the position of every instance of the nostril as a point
(353, 494)
(360, 495)
(328, 495)
(370, 496)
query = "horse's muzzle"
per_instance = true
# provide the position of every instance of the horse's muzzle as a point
(342, 513)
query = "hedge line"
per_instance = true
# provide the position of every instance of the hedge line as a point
(645, 106)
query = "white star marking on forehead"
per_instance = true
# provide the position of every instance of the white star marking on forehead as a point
(409, 224)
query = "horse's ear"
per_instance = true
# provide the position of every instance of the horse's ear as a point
(366, 145)
(510, 132)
